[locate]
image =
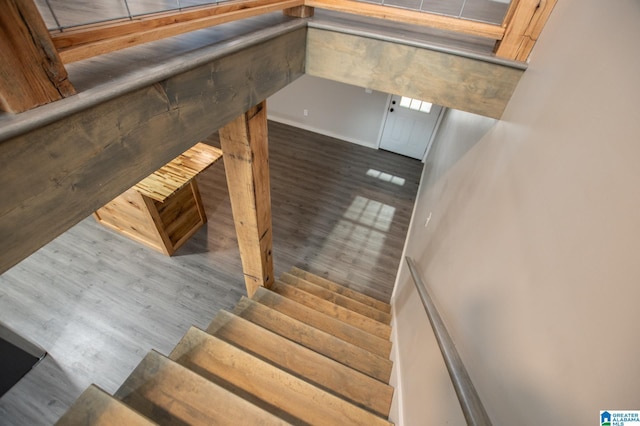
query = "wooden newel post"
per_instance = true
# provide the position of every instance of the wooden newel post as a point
(246, 161)
(31, 72)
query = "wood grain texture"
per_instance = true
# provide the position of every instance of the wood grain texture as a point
(217, 360)
(453, 81)
(299, 11)
(96, 407)
(324, 343)
(31, 72)
(343, 314)
(335, 298)
(82, 51)
(168, 179)
(164, 209)
(168, 393)
(120, 27)
(131, 214)
(245, 145)
(98, 302)
(337, 288)
(306, 364)
(525, 23)
(87, 159)
(323, 322)
(408, 16)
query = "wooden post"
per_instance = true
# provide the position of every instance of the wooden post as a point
(246, 161)
(523, 24)
(31, 73)
(299, 11)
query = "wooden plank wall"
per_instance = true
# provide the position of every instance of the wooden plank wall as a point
(57, 175)
(463, 83)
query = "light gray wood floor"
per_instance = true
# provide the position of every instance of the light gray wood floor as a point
(98, 302)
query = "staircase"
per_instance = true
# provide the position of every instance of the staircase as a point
(307, 351)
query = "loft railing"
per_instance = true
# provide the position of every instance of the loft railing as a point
(515, 36)
(34, 57)
(63, 15)
(472, 407)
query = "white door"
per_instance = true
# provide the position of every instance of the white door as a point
(409, 125)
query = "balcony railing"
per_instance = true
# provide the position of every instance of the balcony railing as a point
(514, 25)
(56, 32)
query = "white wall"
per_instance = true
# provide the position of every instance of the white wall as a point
(533, 249)
(335, 109)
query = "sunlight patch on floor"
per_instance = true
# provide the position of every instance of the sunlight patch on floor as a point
(386, 177)
(362, 231)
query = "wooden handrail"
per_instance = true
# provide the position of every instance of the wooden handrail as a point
(86, 42)
(470, 403)
(22, 89)
(414, 17)
(118, 27)
(515, 36)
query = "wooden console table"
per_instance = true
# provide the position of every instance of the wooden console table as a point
(163, 210)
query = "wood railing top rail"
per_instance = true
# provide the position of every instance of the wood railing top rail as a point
(414, 17)
(29, 44)
(515, 37)
(97, 39)
(470, 403)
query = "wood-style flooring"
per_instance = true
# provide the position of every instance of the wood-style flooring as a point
(98, 302)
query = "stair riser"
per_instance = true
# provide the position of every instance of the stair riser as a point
(304, 363)
(213, 358)
(316, 340)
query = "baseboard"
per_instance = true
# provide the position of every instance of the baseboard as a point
(325, 132)
(396, 412)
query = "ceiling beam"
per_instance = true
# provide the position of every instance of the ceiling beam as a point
(464, 83)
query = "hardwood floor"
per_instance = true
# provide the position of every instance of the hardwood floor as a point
(98, 302)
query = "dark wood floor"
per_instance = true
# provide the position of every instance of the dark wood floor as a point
(98, 302)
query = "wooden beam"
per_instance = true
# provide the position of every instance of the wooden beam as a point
(244, 144)
(82, 43)
(31, 73)
(299, 12)
(118, 27)
(523, 24)
(408, 16)
(55, 176)
(468, 84)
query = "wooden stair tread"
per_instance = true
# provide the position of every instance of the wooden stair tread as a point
(343, 314)
(314, 339)
(169, 393)
(340, 289)
(306, 364)
(323, 322)
(216, 359)
(336, 298)
(96, 407)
